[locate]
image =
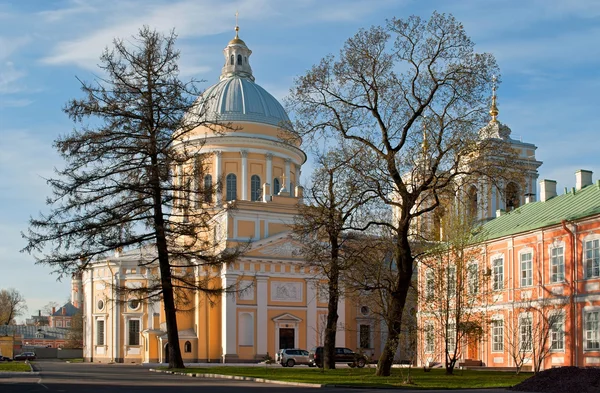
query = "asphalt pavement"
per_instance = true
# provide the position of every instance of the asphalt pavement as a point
(57, 376)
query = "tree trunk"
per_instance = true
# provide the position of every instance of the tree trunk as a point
(175, 359)
(332, 319)
(398, 300)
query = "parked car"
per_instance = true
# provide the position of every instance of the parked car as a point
(25, 356)
(5, 359)
(292, 356)
(342, 355)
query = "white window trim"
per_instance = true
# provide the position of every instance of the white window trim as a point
(529, 316)
(527, 250)
(96, 320)
(551, 247)
(499, 318)
(586, 310)
(127, 321)
(586, 239)
(469, 277)
(494, 258)
(563, 316)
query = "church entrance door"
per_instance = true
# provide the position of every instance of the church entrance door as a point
(286, 338)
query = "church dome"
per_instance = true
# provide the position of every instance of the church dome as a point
(237, 98)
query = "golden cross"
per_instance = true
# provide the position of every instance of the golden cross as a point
(283, 180)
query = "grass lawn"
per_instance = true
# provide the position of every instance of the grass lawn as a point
(14, 366)
(436, 378)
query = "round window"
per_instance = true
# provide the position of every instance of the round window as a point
(364, 310)
(100, 304)
(134, 304)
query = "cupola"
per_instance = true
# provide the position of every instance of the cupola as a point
(237, 56)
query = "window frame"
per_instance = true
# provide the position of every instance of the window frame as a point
(557, 264)
(557, 332)
(591, 335)
(526, 271)
(429, 338)
(498, 335)
(526, 331)
(473, 278)
(255, 188)
(207, 191)
(133, 338)
(591, 262)
(100, 333)
(364, 336)
(231, 187)
(429, 285)
(498, 273)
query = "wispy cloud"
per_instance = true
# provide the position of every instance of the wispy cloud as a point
(9, 76)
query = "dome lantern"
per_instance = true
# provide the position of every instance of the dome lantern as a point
(237, 56)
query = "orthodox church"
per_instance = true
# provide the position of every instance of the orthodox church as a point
(278, 304)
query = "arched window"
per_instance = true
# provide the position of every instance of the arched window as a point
(512, 197)
(245, 60)
(239, 60)
(472, 202)
(231, 183)
(187, 347)
(208, 188)
(276, 186)
(231, 60)
(292, 189)
(255, 191)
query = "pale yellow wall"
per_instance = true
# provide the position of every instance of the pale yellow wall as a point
(6, 346)
(245, 228)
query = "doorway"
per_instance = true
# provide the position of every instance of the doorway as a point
(286, 338)
(166, 357)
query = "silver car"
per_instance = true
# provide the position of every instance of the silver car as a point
(290, 357)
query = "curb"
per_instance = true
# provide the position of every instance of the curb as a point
(239, 378)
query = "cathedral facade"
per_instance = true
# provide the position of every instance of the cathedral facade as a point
(278, 302)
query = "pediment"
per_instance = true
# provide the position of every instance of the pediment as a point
(278, 246)
(287, 318)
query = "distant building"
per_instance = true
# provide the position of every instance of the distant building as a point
(30, 337)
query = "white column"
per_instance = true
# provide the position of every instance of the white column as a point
(217, 176)
(340, 335)
(311, 313)
(298, 172)
(261, 315)
(116, 318)
(228, 320)
(287, 175)
(269, 178)
(244, 183)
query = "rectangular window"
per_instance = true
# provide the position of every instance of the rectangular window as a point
(451, 337)
(365, 336)
(134, 332)
(498, 335)
(99, 332)
(525, 326)
(557, 332)
(592, 258)
(526, 269)
(592, 331)
(498, 274)
(68, 323)
(557, 265)
(429, 339)
(473, 277)
(429, 286)
(58, 323)
(451, 281)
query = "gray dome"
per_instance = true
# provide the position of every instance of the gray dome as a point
(240, 99)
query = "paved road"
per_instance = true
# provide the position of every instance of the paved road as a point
(123, 378)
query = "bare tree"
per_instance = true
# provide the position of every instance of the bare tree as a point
(324, 224)
(12, 305)
(387, 83)
(131, 178)
(49, 307)
(75, 334)
(454, 291)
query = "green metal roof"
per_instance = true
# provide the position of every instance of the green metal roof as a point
(535, 215)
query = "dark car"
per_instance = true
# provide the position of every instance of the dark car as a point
(342, 355)
(5, 359)
(25, 356)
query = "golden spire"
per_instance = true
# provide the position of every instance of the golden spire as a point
(237, 28)
(494, 108)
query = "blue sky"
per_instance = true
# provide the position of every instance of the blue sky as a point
(548, 52)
